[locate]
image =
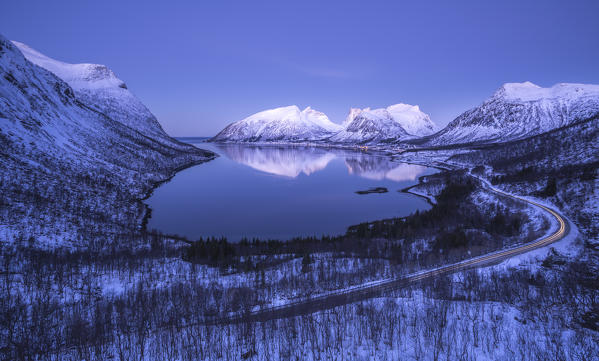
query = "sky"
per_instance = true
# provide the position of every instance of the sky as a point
(200, 65)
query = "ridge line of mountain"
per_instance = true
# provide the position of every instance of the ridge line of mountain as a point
(514, 111)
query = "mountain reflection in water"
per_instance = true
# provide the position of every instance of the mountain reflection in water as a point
(292, 161)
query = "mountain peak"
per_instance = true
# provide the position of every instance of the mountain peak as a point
(403, 107)
(98, 86)
(78, 76)
(412, 119)
(351, 115)
(280, 112)
(528, 91)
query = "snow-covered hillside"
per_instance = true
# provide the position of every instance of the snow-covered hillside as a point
(362, 126)
(519, 110)
(285, 124)
(62, 155)
(97, 86)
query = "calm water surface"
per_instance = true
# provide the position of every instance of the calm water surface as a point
(275, 192)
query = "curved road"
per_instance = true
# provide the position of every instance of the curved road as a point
(362, 292)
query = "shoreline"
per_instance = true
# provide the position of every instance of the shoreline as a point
(146, 213)
(196, 141)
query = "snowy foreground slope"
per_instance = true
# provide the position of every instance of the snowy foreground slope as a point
(55, 142)
(362, 126)
(520, 110)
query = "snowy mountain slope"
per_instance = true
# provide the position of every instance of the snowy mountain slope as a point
(61, 156)
(412, 119)
(97, 86)
(394, 123)
(519, 110)
(38, 106)
(370, 126)
(285, 124)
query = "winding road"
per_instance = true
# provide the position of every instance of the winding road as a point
(373, 289)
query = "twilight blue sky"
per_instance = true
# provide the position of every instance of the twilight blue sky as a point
(199, 65)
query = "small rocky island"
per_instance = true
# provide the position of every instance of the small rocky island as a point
(374, 190)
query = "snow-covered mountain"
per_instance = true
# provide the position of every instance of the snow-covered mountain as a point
(370, 126)
(362, 126)
(62, 155)
(394, 123)
(285, 124)
(70, 105)
(97, 86)
(515, 111)
(410, 117)
(519, 110)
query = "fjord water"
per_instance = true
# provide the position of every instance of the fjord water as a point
(280, 192)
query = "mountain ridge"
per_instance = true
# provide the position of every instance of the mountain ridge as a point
(513, 111)
(289, 124)
(520, 110)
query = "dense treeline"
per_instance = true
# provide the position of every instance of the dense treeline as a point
(445, 213)
(585, 172)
